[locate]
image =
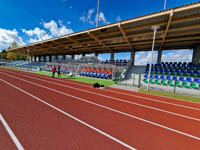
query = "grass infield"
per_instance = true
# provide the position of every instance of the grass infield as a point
(172, 95)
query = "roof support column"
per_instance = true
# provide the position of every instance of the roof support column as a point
(44, 58)
(56, 56)
(31, 58)
(112, 55)
(83, 54)
(64, 56)
(72, 57)
(96, 55)
(196, 55)
(39, 58)
(35, 58)
(50, 58)
(159, 56)
(132, 58)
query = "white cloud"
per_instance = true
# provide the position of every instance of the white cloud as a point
(69, 22)
(118, 18)
(55, 30)
(8, 36)
(70, 7)
(177, 56)
(87, 17)
(90, 17)
(102, 18)
(143, 58)
(37, 35)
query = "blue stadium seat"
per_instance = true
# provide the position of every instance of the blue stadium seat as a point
(181, 79)
(156, 76)
(174, 78)
(146, 75)
(106, 76)
(162, 77)
(98, 75)
(189, 79)
(102, 75)
(168, 78)
(197, 80)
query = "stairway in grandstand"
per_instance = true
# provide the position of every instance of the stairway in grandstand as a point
(134, 70)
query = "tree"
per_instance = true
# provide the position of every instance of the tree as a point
(13, 45)
(3, 54)
(11, 56)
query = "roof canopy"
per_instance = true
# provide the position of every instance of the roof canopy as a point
(179, 29)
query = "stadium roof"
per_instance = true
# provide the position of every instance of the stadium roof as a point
(179, 29)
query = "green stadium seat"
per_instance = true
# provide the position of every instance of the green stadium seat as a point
(178, 83)
(157, 81)
(152, 81)
(192, 75)
(171, 83)
(193, 85)
(164, 82)
(146, 80)
(185, 84)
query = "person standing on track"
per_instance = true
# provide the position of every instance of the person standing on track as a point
(53, 70)
(59, 75)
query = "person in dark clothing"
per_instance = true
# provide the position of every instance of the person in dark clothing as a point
(53, 70)
(59, 75)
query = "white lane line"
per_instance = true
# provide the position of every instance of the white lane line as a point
(114, 110)
(151, 99)
(117, 99)
(65, 113)
(12, 135)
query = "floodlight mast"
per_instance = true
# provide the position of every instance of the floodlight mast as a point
(165, 4)
(154, 28)
(97, 20)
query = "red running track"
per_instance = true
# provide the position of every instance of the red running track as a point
(137, 133)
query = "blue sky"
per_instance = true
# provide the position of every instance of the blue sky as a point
(28, 21)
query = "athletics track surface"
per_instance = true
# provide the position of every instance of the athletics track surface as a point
(59, 114)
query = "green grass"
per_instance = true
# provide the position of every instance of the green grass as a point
(178, 96)
(75, 78)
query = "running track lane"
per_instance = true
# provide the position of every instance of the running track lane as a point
(190, 126)
(6, 142)
(159, 103)
(41, 127)
(168, 134)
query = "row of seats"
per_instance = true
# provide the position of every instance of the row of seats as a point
(173, 66)
(173, 83)
(175, 78)
(95, 74)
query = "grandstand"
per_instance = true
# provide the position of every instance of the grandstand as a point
(179, 29)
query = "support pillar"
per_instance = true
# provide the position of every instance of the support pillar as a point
(96, 55)
(83, 54)
(44, 58)
(132, 58)
(56, 56)
(112, 56)
(159, 57)
(64, 56)
(196, 55)
(31, 58)
(50, 58)
(72, 57)
(35, 58)
(39, 58)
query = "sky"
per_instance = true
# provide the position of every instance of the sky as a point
(29, 21)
